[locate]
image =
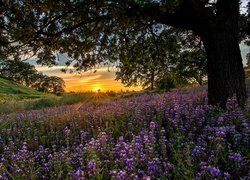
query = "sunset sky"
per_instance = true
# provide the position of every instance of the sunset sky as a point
(87, 81)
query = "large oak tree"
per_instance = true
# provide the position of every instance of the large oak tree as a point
(94, 31)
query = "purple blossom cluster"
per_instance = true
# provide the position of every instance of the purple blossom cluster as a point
(151, 136)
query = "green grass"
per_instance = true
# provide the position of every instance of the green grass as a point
(16, 97)
(13, 106)
(10, 91)
(39, 103)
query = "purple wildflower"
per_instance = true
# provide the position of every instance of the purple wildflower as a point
(235, 157)
(66, 131)
(79, 174)
(92, 167)
(153, 125)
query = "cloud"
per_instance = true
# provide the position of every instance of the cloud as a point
(91, 78)
(52, 69)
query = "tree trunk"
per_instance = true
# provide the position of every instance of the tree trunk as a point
(199, 79)
(226, 76)
(152, 80)
(217, 25)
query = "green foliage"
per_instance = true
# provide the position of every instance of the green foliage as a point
(72, 98)
(27, 75)
(170, 81)
(89, 32)
(192, 65)
(163, 52)
(18, 71)
(244, 26)
(146, 60)
(166, 83)
(14, 105)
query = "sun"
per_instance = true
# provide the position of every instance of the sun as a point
(97, 89)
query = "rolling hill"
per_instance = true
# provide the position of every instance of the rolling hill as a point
(10, 90)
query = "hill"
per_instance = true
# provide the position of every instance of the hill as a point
(10, 90)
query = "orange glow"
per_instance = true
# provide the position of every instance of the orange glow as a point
(103, 80)
(88, 81)
(97, 89)
(107, 85)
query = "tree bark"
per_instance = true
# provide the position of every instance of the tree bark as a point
(226, 76)
(199, 80)
(152, 80)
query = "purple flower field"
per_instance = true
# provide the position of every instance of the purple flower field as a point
(161, 136)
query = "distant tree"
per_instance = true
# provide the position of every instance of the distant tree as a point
(26, 74)
(17, 71)
(57, 85)
(192, 65)
(146, 60)
(171, 80)
(39, 83)
(244, 26)
(49, 84)
(156, 57)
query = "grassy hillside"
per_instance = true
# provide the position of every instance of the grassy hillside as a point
(10, 90)
(16, 98)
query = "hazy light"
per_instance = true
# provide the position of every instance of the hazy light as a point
(97, 89)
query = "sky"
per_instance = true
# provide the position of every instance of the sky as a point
(104, 78)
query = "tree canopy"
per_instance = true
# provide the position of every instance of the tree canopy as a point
(158, 56)
(89, 31)
(93, 31)
(145, 61)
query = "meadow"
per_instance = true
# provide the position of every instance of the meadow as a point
(172, 135)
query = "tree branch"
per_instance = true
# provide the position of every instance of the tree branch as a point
(75, 26)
